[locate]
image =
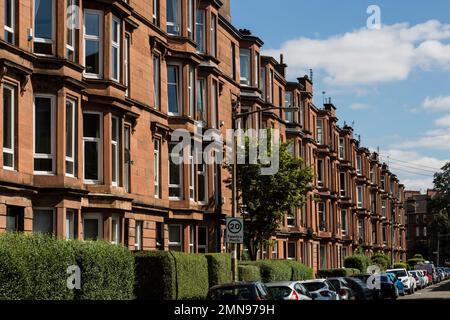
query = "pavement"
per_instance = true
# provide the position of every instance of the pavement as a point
(439, 291)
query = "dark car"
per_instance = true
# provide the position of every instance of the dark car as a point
(343, 288)
(359, 288)
(239, 291)
(388, 288)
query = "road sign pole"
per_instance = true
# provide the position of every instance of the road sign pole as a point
(234, 197)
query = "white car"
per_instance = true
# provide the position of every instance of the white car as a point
(288, 290)
(414, 281)
(405, 278)
(321, 289)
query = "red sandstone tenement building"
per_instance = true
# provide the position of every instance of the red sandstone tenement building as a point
(87, 114)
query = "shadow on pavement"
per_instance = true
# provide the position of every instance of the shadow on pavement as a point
(442, 287)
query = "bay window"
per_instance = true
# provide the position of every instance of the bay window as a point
(115, 49)
(322, 219)
(200, 30)
(175, 173)
(292, 251)
(257, 67)
(70, 137)
(14, 219)
(9, 116)
(127, 162)
(361, 229)
(263, 83)
(92, 147)
(244, 56)
(319, 131)
(72, 16)
(173, 89)
(213, 35)
(173, 17)
(271, 87)
(292, 217)
(190, 27)
(138, 235)
(359, 196)
(115, 151)
(358, 165)
(44, 132)
(288, 103)
(10, 11)
(344, 225)
(126, 64)
(157, 169)
(191, 174)
(43, 221)
(115, 229)
(343, 184)
(70, 224)
(202, 236)
(92, 226)
(341, 148)
(202, 183)
(93, 56)
(191, 91)
(320, 170)
(155, 13)
(44, 29)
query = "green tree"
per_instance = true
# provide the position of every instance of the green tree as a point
(440, 206)
(268, 198)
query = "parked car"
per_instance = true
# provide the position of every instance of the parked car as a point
(288, 290)
(429, 277)
(239, 291)
(429, 267)
(397, 282)
(359, 288)
(418, 280)
(321, 289)
(364, 278)
(388, 289)
(441, 274)
(343, 288)
(424, 277)
(406, 279)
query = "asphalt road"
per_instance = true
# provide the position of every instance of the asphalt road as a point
(438, 291)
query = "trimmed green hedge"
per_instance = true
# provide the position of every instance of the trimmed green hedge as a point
(171, 276)
(359, 262)
(399, 265)
(413, 261)
(344, 272)
(249, 273)
(34, 267)
(281, 270)
(219, 268)
(299, 271)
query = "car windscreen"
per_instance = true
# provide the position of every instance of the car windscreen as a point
(232, 293)
(314, 286)
(335, 283)
(279, 292)
(399, 273)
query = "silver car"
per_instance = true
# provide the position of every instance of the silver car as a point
(288, 290)
(321, 289)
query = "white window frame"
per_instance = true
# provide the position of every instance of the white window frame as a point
(295, 252)
(343, 192)
(98, 140)
(94, 216)
(214, 103)
(359, 197)
(179, 76)
(320, 169)
(179, 186)
(202, 247)
(155, 12)
(202, 173)
(156, 81)
(52, 136)
(191, 175)
(126, 62)
(70, 224)
(53, 216)
(190, 18)
(322, 213)
(117, 145)
(288, 103)
(178, 244)
(175, 24)
(157, 167)
(74, 129)
(245, 53)
(11, 151)
(191, 92)
(11, 29)
(42, 40)
(319, 131)
(341, 148)
(344, 224)
(256, 67)
(213, 35)
(99, 39)
(383, 208)
(359, 164)
(192, 236)
(115, 234)
(200, 27)
(292, 215)
(117, 46)
(271, 87)
(138, 234)
(71, 30)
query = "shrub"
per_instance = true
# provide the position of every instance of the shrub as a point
(219, 268)
(330, 273)
(249, 273)
(359, 262)
(107, 271)
(33, 267)
(274, 270)
(299, 271)
(402, 265)
(382, 260)
(171, 276)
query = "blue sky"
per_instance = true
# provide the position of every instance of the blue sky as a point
(393, 82)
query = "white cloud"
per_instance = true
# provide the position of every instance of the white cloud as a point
(440, 103)
(366, 56)
(438, 139)
(359, 106)
(414, 170)
(444, 121)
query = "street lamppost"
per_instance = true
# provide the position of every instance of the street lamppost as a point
(236, 116)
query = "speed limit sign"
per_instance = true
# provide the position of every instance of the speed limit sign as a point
(235, 230)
